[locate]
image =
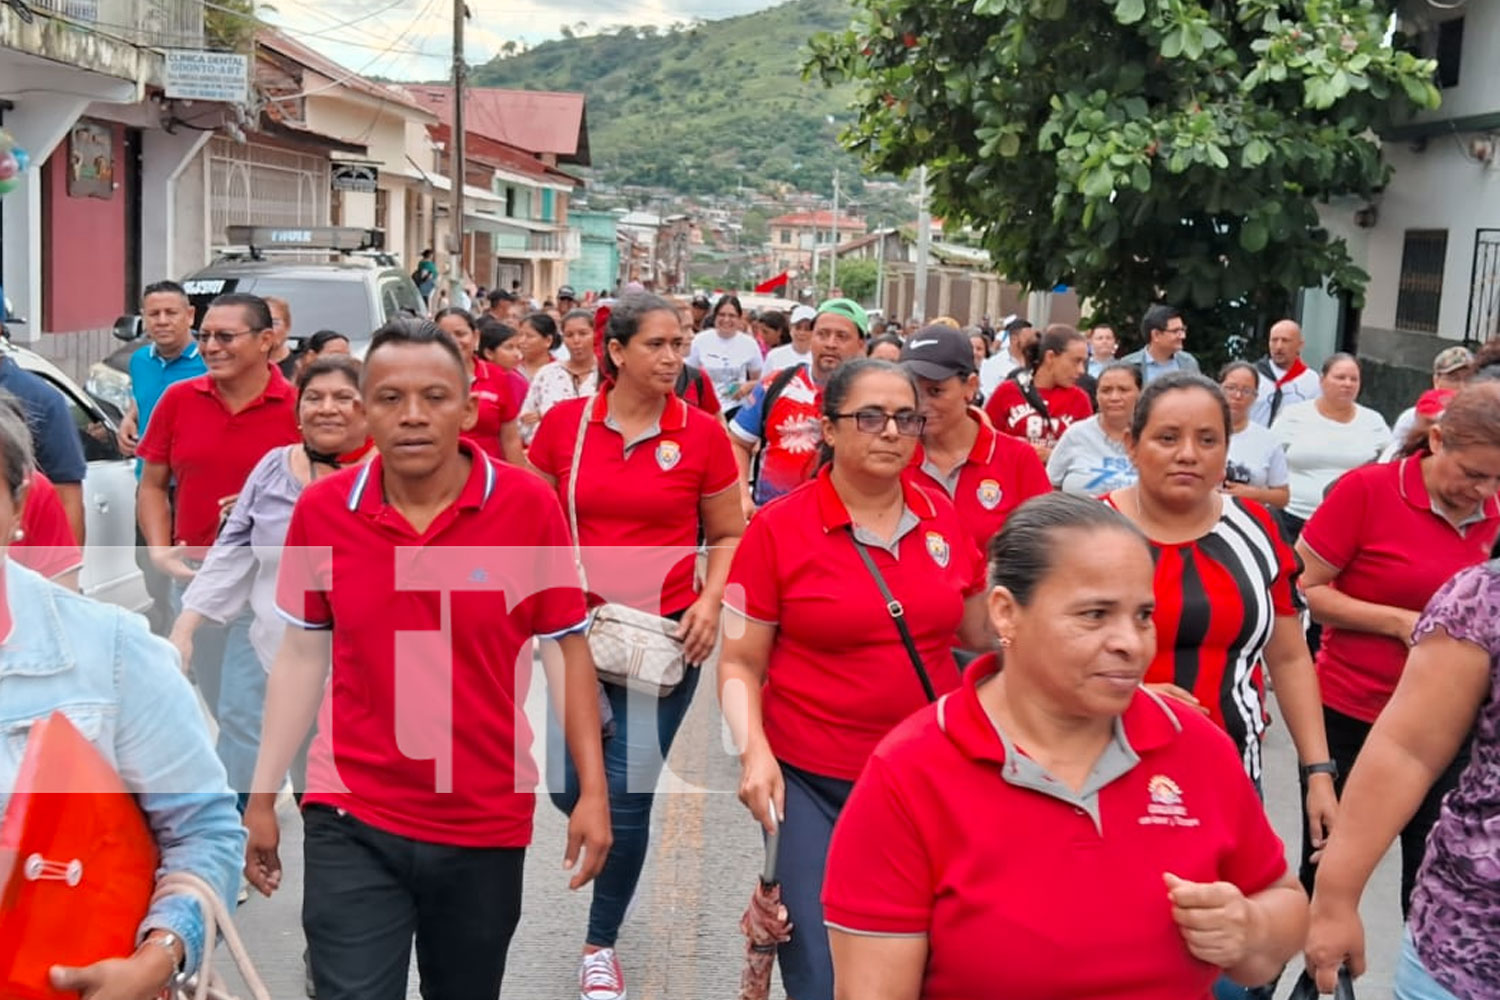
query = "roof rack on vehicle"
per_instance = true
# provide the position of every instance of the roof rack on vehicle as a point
(257, 240)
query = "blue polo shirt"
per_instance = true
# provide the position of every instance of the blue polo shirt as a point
(59, 450)
(150, 374)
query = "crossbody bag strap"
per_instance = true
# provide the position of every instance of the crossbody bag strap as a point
(898, 615)
(577, 466)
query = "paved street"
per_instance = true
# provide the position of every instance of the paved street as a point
(682, 941)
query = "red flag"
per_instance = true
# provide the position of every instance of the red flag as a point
(770, 285)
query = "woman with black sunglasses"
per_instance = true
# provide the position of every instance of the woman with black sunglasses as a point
(845, 597)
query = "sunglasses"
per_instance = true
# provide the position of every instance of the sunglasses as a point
(909, 423)
(221, 337)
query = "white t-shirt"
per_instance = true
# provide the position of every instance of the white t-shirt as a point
(785, 356)
(1307, 385)
(1088, 462)
(1256, 458)
(994, 369)
(1319, 450)
(1405, 424)
(728, 362)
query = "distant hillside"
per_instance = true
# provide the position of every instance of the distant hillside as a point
(702, 109)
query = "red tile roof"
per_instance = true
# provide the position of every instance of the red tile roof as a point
(481, 149)
(537, 121)
(820, 220)
(294, 50)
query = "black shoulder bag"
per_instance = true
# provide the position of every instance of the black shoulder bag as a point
(898, 615)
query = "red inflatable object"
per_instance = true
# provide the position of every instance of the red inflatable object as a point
(77, 863)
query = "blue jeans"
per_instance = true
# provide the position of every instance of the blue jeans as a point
(207, 667)
(242, 701)
(1413, 981)
(813, 805)
(633, 759)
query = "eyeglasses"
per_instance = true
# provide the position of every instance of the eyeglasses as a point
(1237, 390)
(909, 423)
(221, 337)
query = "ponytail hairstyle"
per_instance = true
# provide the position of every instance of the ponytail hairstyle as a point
(1054, 340)
(546, 326)
(841, 383)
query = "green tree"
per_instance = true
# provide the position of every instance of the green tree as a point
(231, 24)
(857, 279)
(1136, 149)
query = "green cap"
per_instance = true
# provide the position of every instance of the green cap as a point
(850, 310)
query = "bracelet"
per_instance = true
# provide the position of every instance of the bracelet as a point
(170, 941)
(1327, 767)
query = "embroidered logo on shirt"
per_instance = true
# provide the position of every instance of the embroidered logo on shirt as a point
(1166, 808)
(937, 547)
(989, 494)
(668, 454)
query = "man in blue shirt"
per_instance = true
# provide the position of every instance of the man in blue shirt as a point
(59, 451)
(1164, 330)
(171, 356)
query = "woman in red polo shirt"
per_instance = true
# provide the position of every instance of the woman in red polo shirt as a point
(1037, 403)
(652, 473)
(1376, 550)
(986, 474)
(495, 428)
(1053, 831)
(815, 668)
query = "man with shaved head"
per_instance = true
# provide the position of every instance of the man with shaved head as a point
(1284, 379)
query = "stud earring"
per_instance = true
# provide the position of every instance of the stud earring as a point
(20, 533)
(1005, 642)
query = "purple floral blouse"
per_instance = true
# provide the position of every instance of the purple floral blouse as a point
(1455, 910)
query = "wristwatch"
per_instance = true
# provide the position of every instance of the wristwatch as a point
(1327, 767)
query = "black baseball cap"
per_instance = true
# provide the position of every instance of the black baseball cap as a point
(702, 301)
(938, 352)
(566, 292)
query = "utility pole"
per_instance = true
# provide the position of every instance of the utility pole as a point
(924, 247)
(456, 156)
(833, 252)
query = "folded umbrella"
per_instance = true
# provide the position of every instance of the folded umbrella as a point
(764, 924)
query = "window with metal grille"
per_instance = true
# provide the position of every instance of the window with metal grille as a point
(1449, 54)
(1420, 290)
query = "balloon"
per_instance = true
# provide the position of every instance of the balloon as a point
(23, 158)
(7, 166)
(9, 184)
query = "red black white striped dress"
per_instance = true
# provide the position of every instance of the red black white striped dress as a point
(1217, 600)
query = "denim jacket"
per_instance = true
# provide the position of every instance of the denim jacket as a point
(123, 689)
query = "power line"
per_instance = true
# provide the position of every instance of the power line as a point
(359, 72)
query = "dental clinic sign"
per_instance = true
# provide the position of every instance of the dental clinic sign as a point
(207, 76)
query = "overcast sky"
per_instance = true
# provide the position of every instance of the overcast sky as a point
(412, 39)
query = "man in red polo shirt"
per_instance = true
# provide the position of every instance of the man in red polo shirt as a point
(415, 584)
(987, 474)
(205, 436)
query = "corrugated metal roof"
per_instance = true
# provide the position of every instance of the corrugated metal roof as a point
(279, 42)
(538, 121)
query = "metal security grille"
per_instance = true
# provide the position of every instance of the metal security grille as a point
(1420, 292)
(1484, 287)
(265, 186)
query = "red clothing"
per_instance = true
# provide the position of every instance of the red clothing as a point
(1378, 529)
(46, 543)
(1217, 600)
(700, 393)
(638, 505)
(210, 451)
(1011, 413)
(421, 733)
(839, 677)
(1000, 474)
(1022, 892)
(495, 399)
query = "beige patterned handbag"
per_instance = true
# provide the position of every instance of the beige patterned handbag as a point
(633, 649)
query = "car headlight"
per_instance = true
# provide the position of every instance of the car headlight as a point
(110, 385)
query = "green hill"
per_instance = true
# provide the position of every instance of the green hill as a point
(701, 109)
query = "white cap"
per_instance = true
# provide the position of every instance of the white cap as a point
(803, 314)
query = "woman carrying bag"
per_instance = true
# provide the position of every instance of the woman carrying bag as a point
(123, 690)
(845, 597)
(640, 474)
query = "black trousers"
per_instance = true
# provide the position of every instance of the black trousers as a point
(367, 893)
(1346, 737)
